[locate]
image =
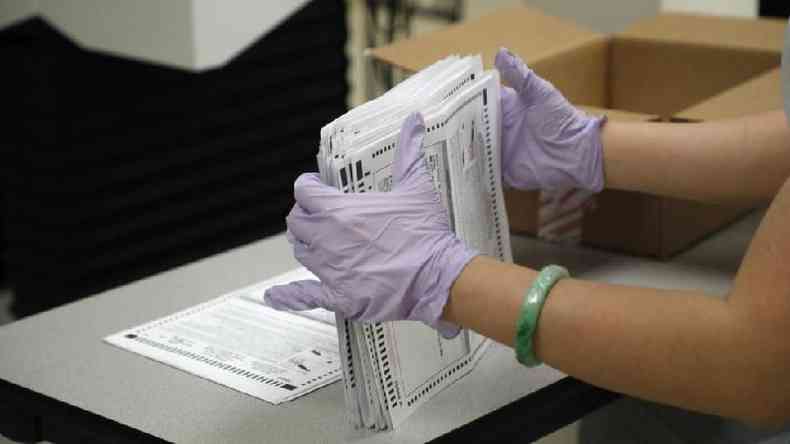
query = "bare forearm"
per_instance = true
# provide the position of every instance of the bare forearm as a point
(678, 347)
(670, 346)
(639, 341)
(739, 161)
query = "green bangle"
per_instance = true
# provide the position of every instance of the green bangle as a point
(527, 323)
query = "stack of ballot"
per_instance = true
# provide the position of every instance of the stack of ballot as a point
(391, 368)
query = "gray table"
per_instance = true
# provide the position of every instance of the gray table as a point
(58, 357)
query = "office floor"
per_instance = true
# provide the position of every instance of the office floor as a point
(5, 318)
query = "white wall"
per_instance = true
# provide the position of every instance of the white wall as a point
(13, 10)
(192, 34)
(150, 30)
(222, 29)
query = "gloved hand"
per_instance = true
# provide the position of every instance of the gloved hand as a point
(379, 256)
(547, 143)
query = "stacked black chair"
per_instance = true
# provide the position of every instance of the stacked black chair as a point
(118, 169)
(2, 235)
(774, 8)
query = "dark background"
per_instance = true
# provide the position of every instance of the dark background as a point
(774, 8)
(115, 169)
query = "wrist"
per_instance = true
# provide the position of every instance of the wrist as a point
(531, 308)
(487, 297)
(594, 157)
(453, 308)
(450, 263)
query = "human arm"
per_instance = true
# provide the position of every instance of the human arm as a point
(677, 347)
(685, 348)
(549, 144)
(740, 161)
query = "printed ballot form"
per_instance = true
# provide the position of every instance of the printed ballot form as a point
(390, 369)
(238, 341)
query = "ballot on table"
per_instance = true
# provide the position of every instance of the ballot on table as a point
(236, 340)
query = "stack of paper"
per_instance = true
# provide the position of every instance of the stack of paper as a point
(391, 368)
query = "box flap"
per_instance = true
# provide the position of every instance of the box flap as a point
(527, 32)
(664, 78)
(580, 72)
(762, 93)
(685, 222)
(730, 32)
(624, 221)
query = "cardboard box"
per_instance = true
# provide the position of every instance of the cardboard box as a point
(759, 94)
(670, 67)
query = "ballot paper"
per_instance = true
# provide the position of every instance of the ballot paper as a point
(391, 368)
(239, 342)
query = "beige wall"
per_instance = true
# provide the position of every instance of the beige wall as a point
(613, 15)
(600, 15)
(743, 8)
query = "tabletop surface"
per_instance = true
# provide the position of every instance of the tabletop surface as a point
(60, 353)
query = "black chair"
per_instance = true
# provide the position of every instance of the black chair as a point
(120, 169)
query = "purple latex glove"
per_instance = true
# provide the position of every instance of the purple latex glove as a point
(547, 143)
(379, 256)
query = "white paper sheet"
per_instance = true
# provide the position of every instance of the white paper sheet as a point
(239, 342)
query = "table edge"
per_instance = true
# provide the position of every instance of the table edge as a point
(547, 410)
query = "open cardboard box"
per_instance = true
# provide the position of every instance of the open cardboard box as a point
(669, 67)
